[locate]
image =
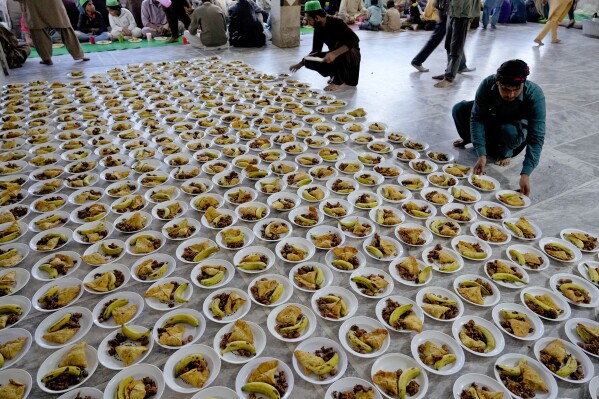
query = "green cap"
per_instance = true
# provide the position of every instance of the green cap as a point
(112, 3)
(83, 2)
(312, 5)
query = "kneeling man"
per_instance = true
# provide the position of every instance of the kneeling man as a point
(506, 116)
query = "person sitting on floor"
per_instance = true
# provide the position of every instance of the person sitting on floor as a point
(210, 20)
(245, 25)
(91, 23)
(506, 116)
(342, 62)
(351, 11)
(16, 53)
(121, 21)
(154, 19)
(392, 18)
(375, 17)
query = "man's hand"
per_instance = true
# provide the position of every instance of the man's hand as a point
(296, 67)
(329, 58)
(479, 166)
(188, 10)
(160, 30)
(525, 185)
(126, 31)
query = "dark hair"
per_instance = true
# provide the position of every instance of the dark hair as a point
(512, 72)
(116, 8)
(374, 2)
(316, 13)
(390, 4)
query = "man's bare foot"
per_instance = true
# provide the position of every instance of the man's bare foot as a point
(556, 41)
(46, 62)
(459, 143)
(539, 42)
(503, 162)
(333, 87)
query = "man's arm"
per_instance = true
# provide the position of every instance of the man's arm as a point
(479, 111)
(195, 22)
(317, 43)
(536, 132)
(145, 17)
(131, 24)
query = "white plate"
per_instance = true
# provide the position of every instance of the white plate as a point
(526, 200)
(479, 321)
(197, 271)
(373, 216)
(468, 190)
(404, 190)
(158, 305)
(192, 222)
(512, 359)
(265, 222)
(248, 237)
(496, 183)
(96, 248)
(250, 204)
(567, 244)
(377, 177)
(219, 198)
(474, 226)
(445, 209)
(34, 227)
(77, 236)
(285, 195)
(242, 311)
(138, 372)
(366, 271)
(33, 189)
(394, 361)
(354, 196)
(570, 330)
(393, 270)
(132, 297)
(558, 299)
(9, 334)
(450, 157)
(287, 289)
(302, 210)
(530, 315)
(432, 211)
(64, 282)
(250, 250)
(322, 230)
(594, 388)
(112, 362)
(177, 384)
(231, 357)
(430, 164)
(199, 180)
(490, 300)
(78, 220)
(407, 176)
(83, 392)
(346, 295)
(19, 300)
(271, 322)
(474, 240)
(340, 201)
(439, 339)
(436, 266)
(128, 215)
(195, 332)
(302, 243)
(393, 241)
(330, 257)
(86, 322)
(572, 349)
(216, 392)
(427, 235)
(479, 205)
(454, 223)
(365, 323)
(313, 344)
(246, 370)
(22, 278)
(155, 234)
(20, 376)
(56, 230)
(528, 249)
(253, 194)
(115, 169)
(537, 230)
(441, 292)
(591, 289)
(163, 205)
(425, 191)
(22, 249)
(583, 270)
(568, 231)
(347, 384)
(51, 362)
(302, 189)
(505, 283)
(355, 185)
(482, 381)
(134, 186)
(107, 268)
(381, 304)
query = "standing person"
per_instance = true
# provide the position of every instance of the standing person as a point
(558, 9)
(460, 13)
(245, 25)
(491, 7)
(50, 14)
(506, 116)
(351, 11)
(210, 20)
(392, 18)
(375, 17)
(179, 10)
(121, 21)
(571, 14)
(342, 62)
(436, 39)
(154, 19)
(91, 23)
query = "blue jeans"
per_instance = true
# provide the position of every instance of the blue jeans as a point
(84, 37)
(369, 26)
(491, 6)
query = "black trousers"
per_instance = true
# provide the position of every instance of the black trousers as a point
(503, 140)
(433, 42)
(345, 68)
(174, 14)
(455, 39)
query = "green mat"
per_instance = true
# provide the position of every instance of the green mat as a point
(94, 48)
(306, 29)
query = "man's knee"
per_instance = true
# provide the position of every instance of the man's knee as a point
(462, 108)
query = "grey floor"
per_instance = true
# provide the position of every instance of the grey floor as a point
(564, 185)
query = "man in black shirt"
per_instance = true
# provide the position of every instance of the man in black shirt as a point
(342, 62)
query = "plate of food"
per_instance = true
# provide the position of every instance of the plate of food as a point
(57, 294)
(522, 229)
(560, 250)
(478, 336)
(13, 280)
(412, 182)
(471, 248)
(325, 237)
(400, 314)
(106, 279)
(272, 229)
(364, 337)
(382, 248)
(336, 209)
(484, 183)
(15, 383)
(512, 199)
(590, 271)
(181, 228)
(528, 257)
(117, 309)
(270, 290)
(254, 259)
(443, 227)
(476, 290)
(141, 378)
(393, 193)
(226, 305)
(387, 372)
(193, 368)
(418, 209)
(437, 352)
(134, 40)
(129, 345)
(439, 303)
(253, 376)
(490, 232)
(436, 196)
(331, 366)
(584, 333)
(306, 216)
(564, 360)
(507, 274)
(440, 157)
(334, 303)
(545, 303)
(104, 252)
(461, 213)
(386, 216)
(410, 271)
(575, 290)
(371, 282)
(413, 235)
(586, 242)
(212, 273)
(178, 328)
(472, 386)
(14, 345)
(443, 260)
(291, 322)
(352, 387)
(169, 293)
(67, 368)
(524, 377)
(518, 321)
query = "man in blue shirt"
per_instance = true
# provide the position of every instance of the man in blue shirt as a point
(506, 116)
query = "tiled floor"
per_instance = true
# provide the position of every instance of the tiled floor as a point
(565, 183)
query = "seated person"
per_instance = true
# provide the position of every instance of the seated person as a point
(506, 116)
(518, 15)
(15, 53)
(414, 20)
(210, 20)
(392, 18)
(121, 21)
(351, 11)
(91, 23)
(154, 21)
(342, 62)
(375, 17)
(430, 16)
(245, 25)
